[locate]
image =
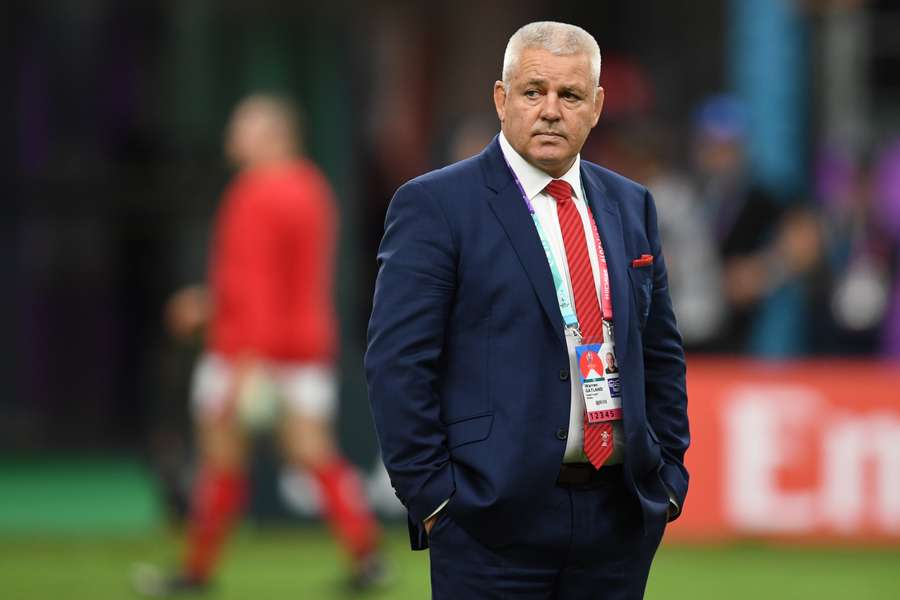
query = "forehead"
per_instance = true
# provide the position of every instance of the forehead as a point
(255, 114)
(539, 64)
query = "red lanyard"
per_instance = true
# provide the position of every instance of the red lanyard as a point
(606, 307)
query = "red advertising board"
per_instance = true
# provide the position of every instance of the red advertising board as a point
(806, 451)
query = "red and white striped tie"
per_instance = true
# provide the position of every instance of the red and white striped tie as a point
(598, 437)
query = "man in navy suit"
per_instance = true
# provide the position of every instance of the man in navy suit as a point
(496, 273)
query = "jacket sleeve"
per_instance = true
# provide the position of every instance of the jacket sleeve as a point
(414, 292)
(664, 370)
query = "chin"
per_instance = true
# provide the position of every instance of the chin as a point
(549, 160)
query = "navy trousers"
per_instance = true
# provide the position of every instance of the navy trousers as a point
(591, 544)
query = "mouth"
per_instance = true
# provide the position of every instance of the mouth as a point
(549, 134)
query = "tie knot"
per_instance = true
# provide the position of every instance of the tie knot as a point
(560, 190)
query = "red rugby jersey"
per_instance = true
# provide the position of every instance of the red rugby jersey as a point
(271, 268)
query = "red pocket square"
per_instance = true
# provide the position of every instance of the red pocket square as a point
(644, 261)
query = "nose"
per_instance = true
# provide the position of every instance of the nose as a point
(550, 108)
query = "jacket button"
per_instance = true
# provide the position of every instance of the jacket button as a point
(564, 374)
(562, 434)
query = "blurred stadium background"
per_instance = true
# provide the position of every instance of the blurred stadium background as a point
(768, 131)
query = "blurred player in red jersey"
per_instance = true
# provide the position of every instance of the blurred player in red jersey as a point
(271, 342)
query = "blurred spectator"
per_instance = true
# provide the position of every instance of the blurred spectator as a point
(862, 210)
(763, 243)
(856, 281)
(887, 212)
(637, 148)
(271, 345)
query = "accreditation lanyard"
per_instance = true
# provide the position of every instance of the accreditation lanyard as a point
(566, 306)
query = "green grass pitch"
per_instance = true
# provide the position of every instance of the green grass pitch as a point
(303, 563)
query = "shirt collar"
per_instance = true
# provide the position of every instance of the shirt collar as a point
(534, 180)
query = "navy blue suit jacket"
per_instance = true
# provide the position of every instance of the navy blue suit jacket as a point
(467, 364)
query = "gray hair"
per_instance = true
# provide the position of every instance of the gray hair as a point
(556, 38)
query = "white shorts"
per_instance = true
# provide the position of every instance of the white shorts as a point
(308, 389)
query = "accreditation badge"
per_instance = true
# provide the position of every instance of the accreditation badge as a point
(600, 386)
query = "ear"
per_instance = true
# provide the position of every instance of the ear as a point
(500, 99)
(598, 104)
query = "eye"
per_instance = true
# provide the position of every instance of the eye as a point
(531, 93)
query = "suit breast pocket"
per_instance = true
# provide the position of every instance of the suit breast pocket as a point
(642, 289)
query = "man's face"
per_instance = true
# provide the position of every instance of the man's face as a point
(719, 157)
(256, 134)
(245, 131)
(549, 109)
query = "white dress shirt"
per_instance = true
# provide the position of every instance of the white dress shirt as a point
(534, 181)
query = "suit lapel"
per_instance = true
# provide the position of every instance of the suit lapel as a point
(606, 214)
(510, 209)
(512, 213)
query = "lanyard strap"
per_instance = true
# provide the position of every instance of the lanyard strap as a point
(606, 307)
(566, 306)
